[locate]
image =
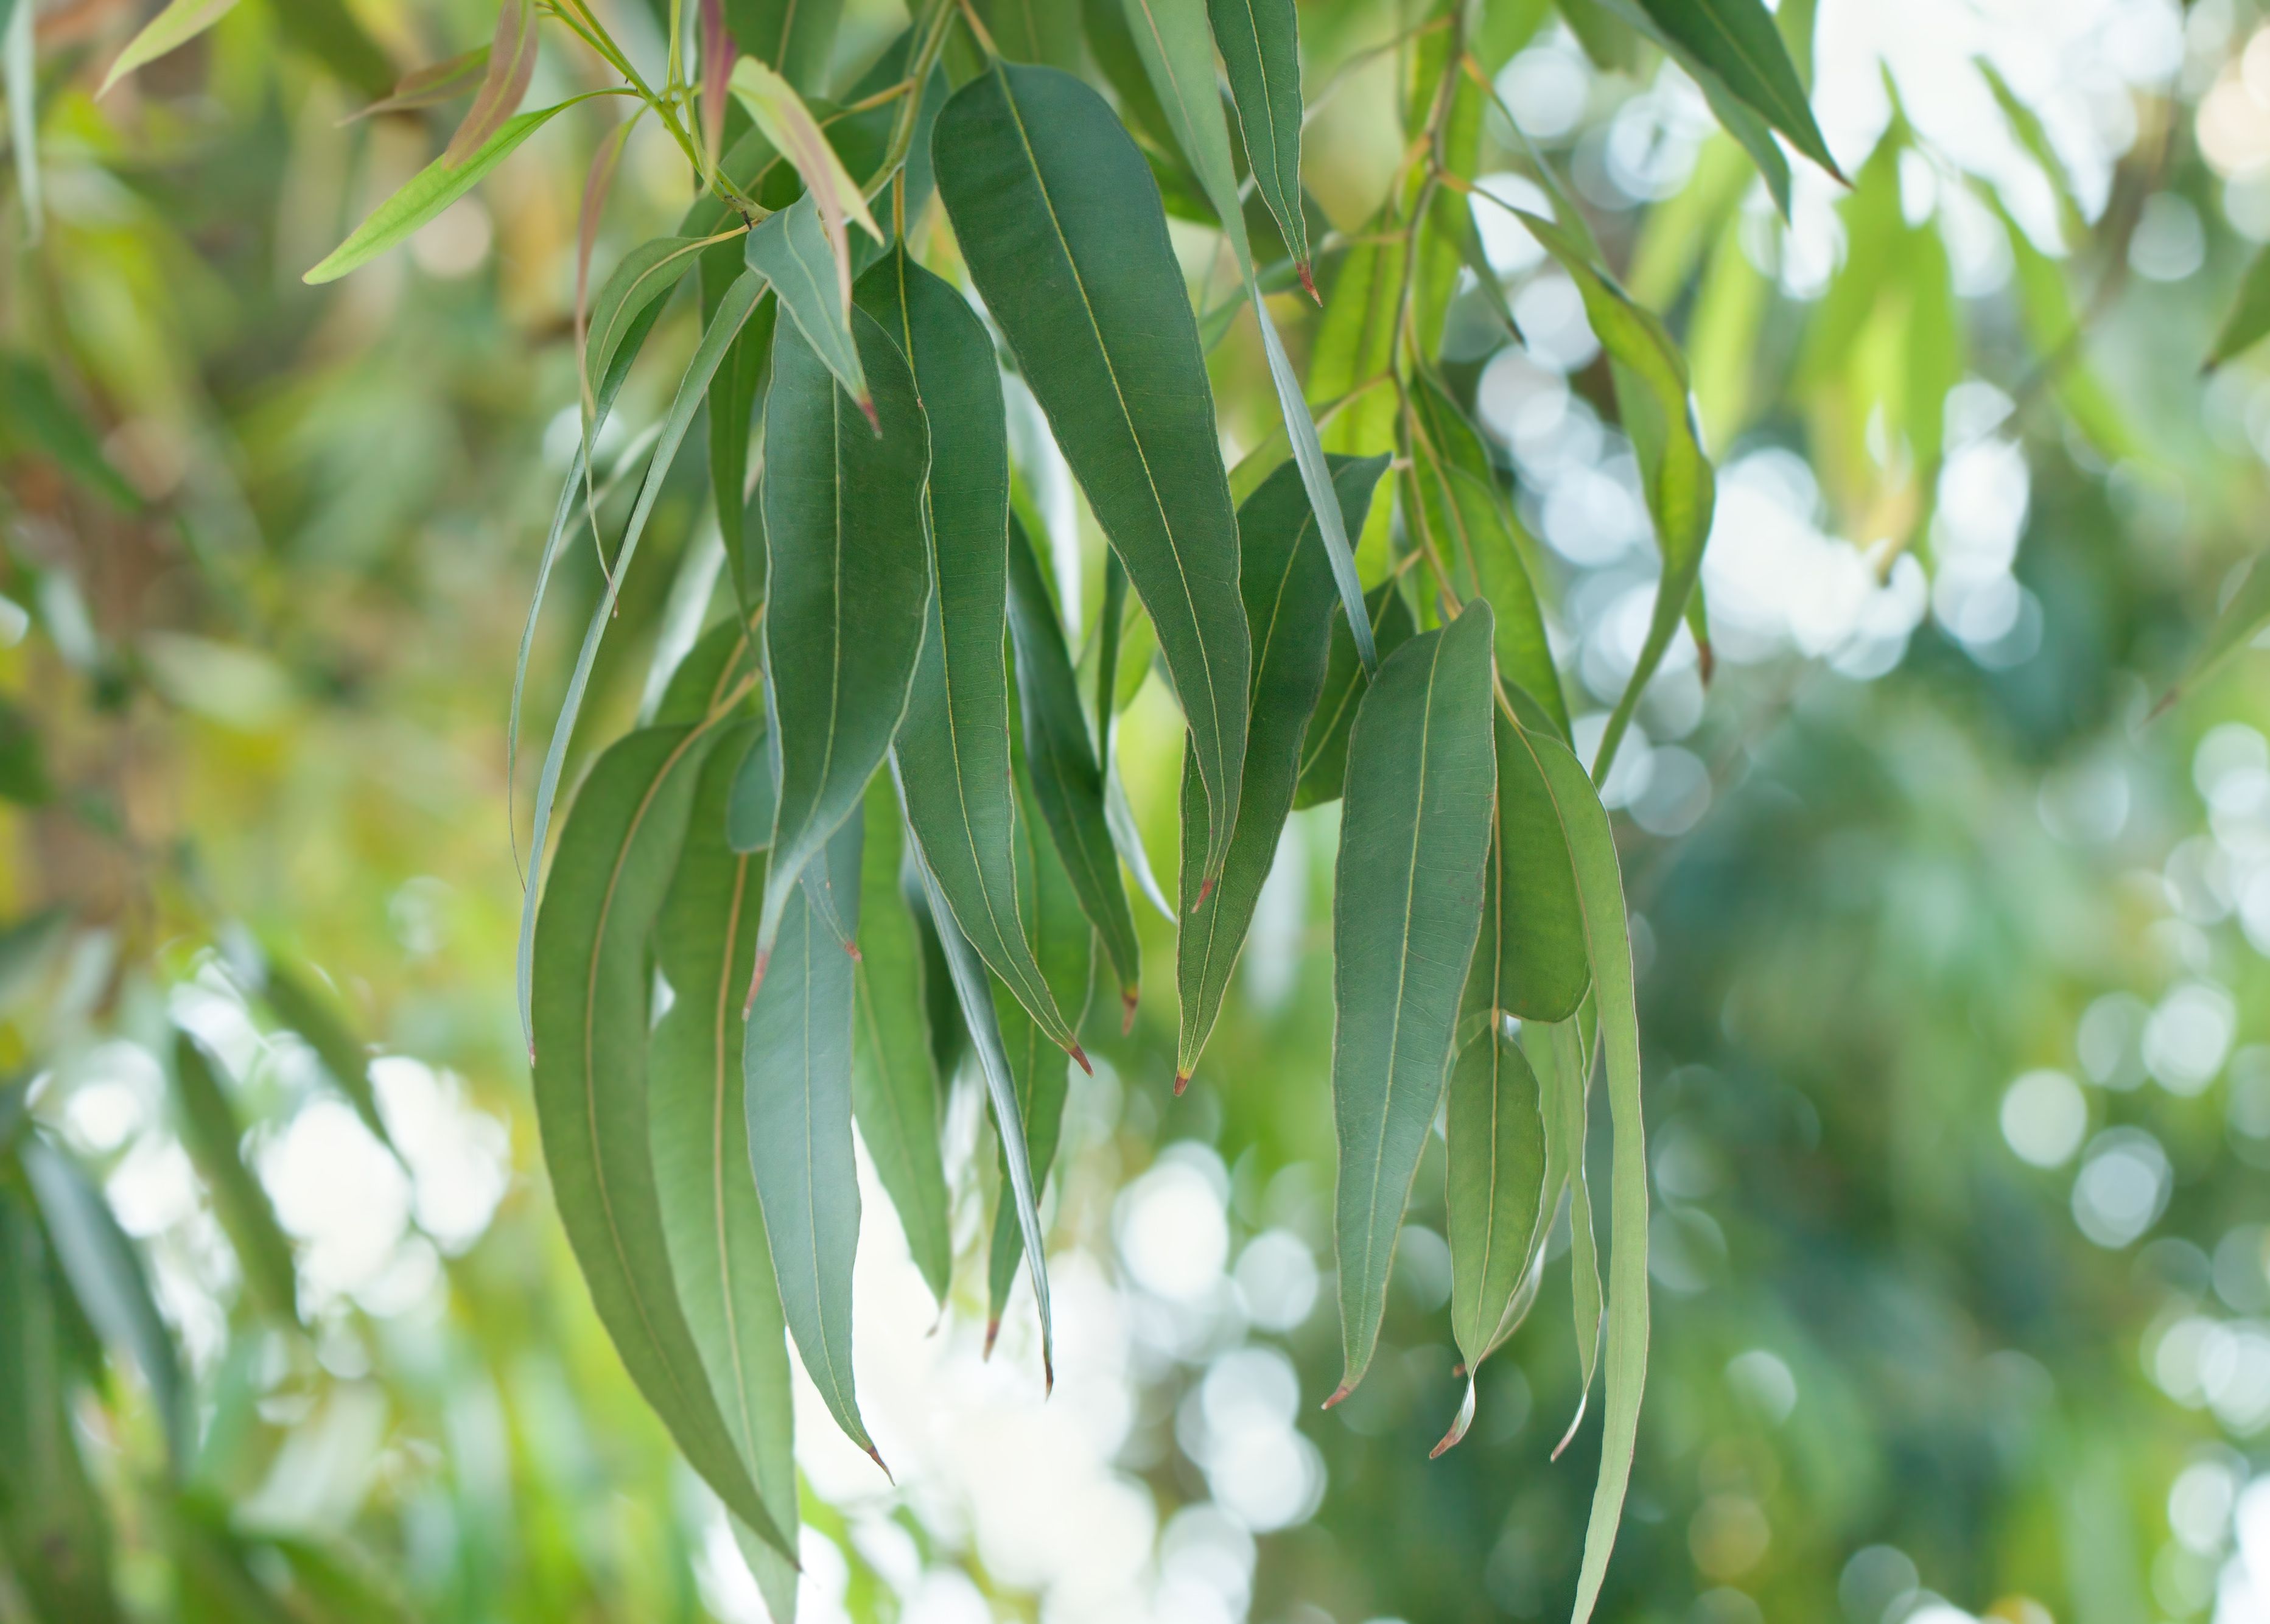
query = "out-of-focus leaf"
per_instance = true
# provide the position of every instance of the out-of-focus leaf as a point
(1738, 42)
(780, 113)
(37, 414)
(1325, 748)
(1415, 833)
(432, 189)
(705, 941)
(317, 1018)
(953, 747)
(23, 762)
(330, 32)
(788, 249)
(796, 1061)
(848, 582)
(972, 992)
(731, 313)
(1260, 42)
(26, 948)
(1066, 781)
(213, 1136)
(2244, 613)
(512, 64)
(181, 21)
(1682, 487)
(2249, 321)
(794, 37)
(106, 1275)
(895, 1088)
(1060, 220)
(1064, 944)
(2054, 330)
(1047, 32)
(608, 886)
(1591, 843)
(53, 1534)
(430, 86)
(1288, 594)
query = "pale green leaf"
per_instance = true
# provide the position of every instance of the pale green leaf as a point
(214, 1136)
(181, 21)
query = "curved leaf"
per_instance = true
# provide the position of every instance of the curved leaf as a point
(511, 64)
(704, 941)
(1470, 522)
(1495, 1188)
(316, 1018)
(1260, 42)
(181, 21)
(1532, 936)
(1288, 588)
(782, 116)
(894, 1086)
(788, 249)
(1737, 40)
(1414, 836)
(638, 283)
(1325, 748)
(617, 855)
(1066, 781)
(952, 748)
(214, 1136)
(429, 87)
(1060, 220)
(848, 577)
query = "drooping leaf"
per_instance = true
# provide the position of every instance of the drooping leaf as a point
(732, 311)
(429, 87)
(511, 64)
(1059, 219)
(705, 939)
(2245, 613)
(1260, 43)
(1066, 781)
(1288, 593)
(952, 748)
(33, 413)
(1591, 843)
(212, 1135)
(181, 21)
(1680, 485)
(780, 115)
(1325, 748)
(1532, 925)
(749, 809)
(796, 1063)
(2053, 327)
(712, 671)
(1472, 525)
(973, 993)
(19, 78)
(1563, 1057)
(1064, 944)
(1041, 30)
(608, 886)
(641, 280)
(1355, 342)
(894, 1086)
(1415, 832)
(106, 1276)
(796, 37)
(316, 1016)
(2249, 321)
(849, 587)
(788, 249)
(1738, 42)
(54, 1536)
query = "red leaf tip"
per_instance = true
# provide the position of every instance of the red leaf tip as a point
(1081, 1054)
(1343, 1391)
(1308, 282)
(756, 980)
(853, 949)
(876, 1456)
(993, 1330)
(867, 406)
(1127, 1011)
(1182, 1081)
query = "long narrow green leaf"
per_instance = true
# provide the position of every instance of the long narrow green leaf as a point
(788, 249)
(1470, 522)
(20, 78)
(952, 748)
(2249, 321)
(796, 37)
(106, 1275)
(2246, 612)
(1738, 42)
(1355, 344)
(1565, 1081)
(432, 189)
(705, 941)
(732, 312)
(1260, 42)
(1531, 910)
(1067, 780)
(973, 996)
(1415, 832)
(181, 21)
(1059, 219)
(1324, 749)
(608, 886)
(1608, 940)
(1681, 488)
(1286, 584)
(849, 585)
(214, 1136)
(639, 281)
(895, 1085)
(1042, 31)
(314, 1016)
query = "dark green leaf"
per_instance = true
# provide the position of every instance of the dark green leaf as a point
(796, 1061)
(1039, 31)
(1060, 222)
(952, 748)
(1324, 748)
(36, 413)
(2249, 321)
(106, 1275)
(749, 812)
(1415, 833)
(705, 941)
(794, 37)
(721, 658)
(1260, 42)
(608, 885)
(895, 1088)
(1067, 780)
(1737, 40)
(1473, 527)
(849, 588)
(1532, 925)
(214, 1138)
(788, 248)
(1287, 588)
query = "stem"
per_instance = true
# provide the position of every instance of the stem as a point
(902, 128)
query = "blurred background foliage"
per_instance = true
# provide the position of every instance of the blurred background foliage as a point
(1952, 955)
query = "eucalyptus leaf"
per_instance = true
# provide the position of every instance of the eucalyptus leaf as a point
(794, 37)
(1738, 42)
(214, 1136)
(511, 64)
(1260, 44)
(1415, 833)
(1060, 220)
(788, 248)
(316, 1016)
(2249, 321)
(181, 21)
(1325, 748)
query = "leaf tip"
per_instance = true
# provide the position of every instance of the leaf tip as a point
(1338, 1393)
(1182, 1081)
(1575, 1422)
(875, 1455)
(1205, 890)
(1450, 1440)
(1127, 1011)
(853, 949)
(1080, 1055)
(756, 980)
(993, 1333)
(1706, 660)
(1310, 282)
(874, 421)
